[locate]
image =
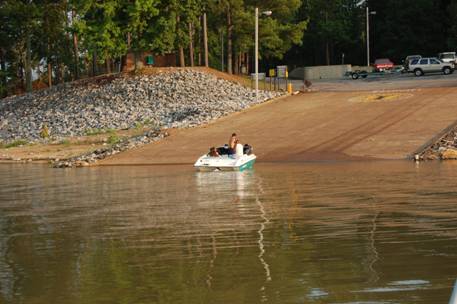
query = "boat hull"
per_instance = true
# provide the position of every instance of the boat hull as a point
(225, 163)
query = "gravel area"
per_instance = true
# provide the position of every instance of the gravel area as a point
(183, 98)
(445, 148)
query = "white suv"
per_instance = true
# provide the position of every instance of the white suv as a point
(430, 65)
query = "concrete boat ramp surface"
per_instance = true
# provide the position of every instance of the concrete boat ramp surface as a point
(317, 126)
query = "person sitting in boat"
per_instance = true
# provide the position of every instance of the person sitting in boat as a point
(232, 144)
(213, 152)
(239, 150)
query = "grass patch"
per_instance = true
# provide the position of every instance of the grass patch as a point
(92, 132)
(65, 142)
(145, 123)
(16, 143)
(113, 139)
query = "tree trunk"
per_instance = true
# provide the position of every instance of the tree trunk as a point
(94, 64)
(205, 40)
(200, 43)
(58, 73)
(108, 65)
(48, 60)
(49, 74)
(20, 71)
(76, 51)
(75, 48)
(248, 68)
(327, 53)
(138, 59)
(28, 64)
(62, 72)
(229, 41)
(191, 44)
(182, 62)
(48, 52)
(68, 45)
(237, 65)
(3, 79)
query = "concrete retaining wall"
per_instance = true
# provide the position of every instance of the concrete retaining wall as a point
(326, 72)
(369, 69)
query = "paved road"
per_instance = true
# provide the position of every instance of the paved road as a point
(382, 82)
(316, 126)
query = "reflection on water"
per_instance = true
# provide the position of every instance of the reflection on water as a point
(375, 232)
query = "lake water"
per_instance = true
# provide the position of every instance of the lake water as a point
(349, 232)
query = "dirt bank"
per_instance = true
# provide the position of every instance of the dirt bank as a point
(316, 126)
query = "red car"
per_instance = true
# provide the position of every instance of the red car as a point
(383, 64)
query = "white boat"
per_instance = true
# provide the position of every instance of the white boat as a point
(225, 162)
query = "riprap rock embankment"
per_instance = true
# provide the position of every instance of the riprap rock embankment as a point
(182, 98)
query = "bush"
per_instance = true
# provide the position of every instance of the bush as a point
(16, 143)
(65, 142)
(91, 132)
(44, 133)
(113, 139)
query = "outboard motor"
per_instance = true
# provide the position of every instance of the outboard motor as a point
(247, 149)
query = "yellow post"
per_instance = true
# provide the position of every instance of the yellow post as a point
(289, 88)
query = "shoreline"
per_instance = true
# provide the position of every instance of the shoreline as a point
(314, 126)
(163, 99)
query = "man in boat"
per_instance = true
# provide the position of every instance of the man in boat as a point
(232, 144)
(213, 152)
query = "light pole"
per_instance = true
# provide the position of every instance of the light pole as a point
(256, 51)
(222, 51)
(368, 33)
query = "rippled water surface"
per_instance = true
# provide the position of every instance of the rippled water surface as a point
(356, 232)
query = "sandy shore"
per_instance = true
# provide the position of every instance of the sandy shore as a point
(316, 127)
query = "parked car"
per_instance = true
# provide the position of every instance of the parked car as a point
(383, 64)
(448, 57)
(430, 65)
(407, 60)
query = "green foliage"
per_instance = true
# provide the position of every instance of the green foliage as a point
(102, 26)
(95, 131)
(65, 142)
(452, 37)
(144, 123)
(16, 143)
(44, 132)
(77, 36)
(113, 139)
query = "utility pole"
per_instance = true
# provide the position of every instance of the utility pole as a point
(256, 54)
(368, 36)
(368, 33)
(256, 50)
(205, 40)
(368, 13)
(222, 51)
